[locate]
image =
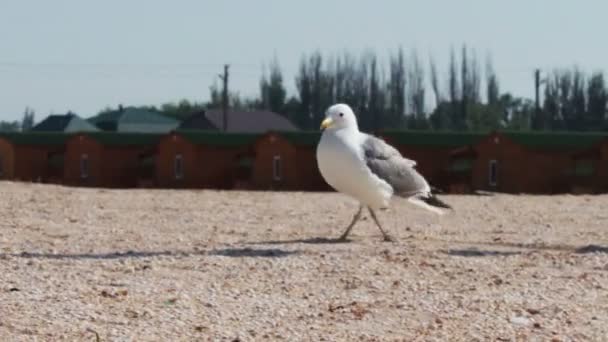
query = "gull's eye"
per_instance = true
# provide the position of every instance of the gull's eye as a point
(341, 114)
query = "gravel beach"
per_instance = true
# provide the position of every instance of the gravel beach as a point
(168, 265)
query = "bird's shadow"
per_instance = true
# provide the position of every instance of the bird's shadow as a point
(591, 249)
(316, 241)
(229, 252)
(252, 253)
(99, 256)
(474, 252)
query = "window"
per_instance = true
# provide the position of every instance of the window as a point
(493, 173)
(178, 166)
(146, 166)
(84, 166)
(584, 167)
(461, 165)
(277, 174)
(244, 167)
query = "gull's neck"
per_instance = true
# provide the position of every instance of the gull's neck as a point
(346, 133)
(348, 130)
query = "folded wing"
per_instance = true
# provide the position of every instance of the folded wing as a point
(388, 164)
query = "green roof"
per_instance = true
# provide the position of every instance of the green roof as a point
(137, 115)
(310, 138)
(64, 123)
(125, 139)
(106, 121)
(36, 138)
(555, 140)
(433, 138)
(215, 138)
(107, 116)
(540, 140)
(78, 124)
(132, 119)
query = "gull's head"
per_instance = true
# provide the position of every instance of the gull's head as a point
(339, 116)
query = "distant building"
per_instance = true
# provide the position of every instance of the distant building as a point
(134, 120)
(32, 156)
(197, 121)
(457, 162)
(197, 159)
(67, 123)
(287, 161)
(238, 121)
(589, 167)
(537, 162)
(443, 158)
(110, 160)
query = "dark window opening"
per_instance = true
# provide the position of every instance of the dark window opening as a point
(84, 166)
(178, 167)
(493, 174)
(277, 173)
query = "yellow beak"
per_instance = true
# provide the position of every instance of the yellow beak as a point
(326, 123)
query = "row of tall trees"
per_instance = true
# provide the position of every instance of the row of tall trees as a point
(573, 101)
(406, 90)
(411, 92)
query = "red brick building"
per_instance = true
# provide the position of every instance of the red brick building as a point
(32, 157)
(589, 168)
(111, 160)
(287, 161)
(512, 162)
(198, 159)
(524, 162)
(7, 158)
(443, 158)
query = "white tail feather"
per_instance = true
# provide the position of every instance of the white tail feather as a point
(422, 204)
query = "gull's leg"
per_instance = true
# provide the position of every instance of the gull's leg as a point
(386, 236)
(356, 218)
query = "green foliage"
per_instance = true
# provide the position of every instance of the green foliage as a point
(392, 94)
(597, 99)
(182, 109)
(28, 119)
(9, 126)
(272, 90)
(573, 101)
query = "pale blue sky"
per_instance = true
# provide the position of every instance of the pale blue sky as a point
(83, 55)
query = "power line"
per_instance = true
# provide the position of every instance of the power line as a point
(122, 74)
(121, 65)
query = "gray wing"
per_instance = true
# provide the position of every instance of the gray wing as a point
(389, 165)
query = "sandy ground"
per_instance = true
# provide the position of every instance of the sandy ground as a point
(143, 265)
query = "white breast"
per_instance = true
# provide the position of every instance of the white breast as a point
(341, 164)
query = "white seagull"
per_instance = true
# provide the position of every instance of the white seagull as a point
(368, 169)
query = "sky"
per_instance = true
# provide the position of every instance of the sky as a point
(82, 56)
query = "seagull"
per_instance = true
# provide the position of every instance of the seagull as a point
(368, 169)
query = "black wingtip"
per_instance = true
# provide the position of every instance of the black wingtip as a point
(435, 202)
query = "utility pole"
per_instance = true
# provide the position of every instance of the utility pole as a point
(224, 79)
(540, 122)
(536, 89)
